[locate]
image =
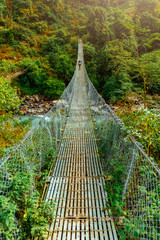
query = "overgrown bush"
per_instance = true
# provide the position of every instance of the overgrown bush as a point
(39, 27)
(117, 86)
(144, 125)
(23, 203)
(32, 81)
(150, 64)
(7, 66)
(6, 36)
(9, 99)
(36, 81)
(11, 131)
(64, 68)
(128, 177)
(53, 88)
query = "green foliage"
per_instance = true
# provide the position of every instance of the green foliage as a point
(120, 42)
(7, 217)
(57, 49)
(151, 68)
(145, 127)
(22, 206)
(9, 100)
(116, 149)
(6, 36)
(7, 66)
(11, 131)
(36, 81)
(117, 87)
(53, 88)
(32, 81)
(64, 68)
(39, 27)
(33, 215)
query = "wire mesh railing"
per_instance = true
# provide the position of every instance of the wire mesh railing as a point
(130, 173)
(30, 155)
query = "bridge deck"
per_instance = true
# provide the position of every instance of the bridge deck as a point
(77, 183)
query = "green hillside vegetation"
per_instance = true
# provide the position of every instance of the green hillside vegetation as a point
(122, 40)
(39, 40)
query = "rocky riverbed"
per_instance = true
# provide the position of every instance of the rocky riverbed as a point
(36, 104)
(39, 105)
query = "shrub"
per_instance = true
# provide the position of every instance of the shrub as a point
(145, 127)
(7, 217)
(89, 51)
(7, 66)
(117, 86)
(150, 63)
(34, 216)
(39, 27)
(64, 67)
(53, 88)
(53, 44)
(6, 36)
(9, 100)
(11, 131)
(32, 81)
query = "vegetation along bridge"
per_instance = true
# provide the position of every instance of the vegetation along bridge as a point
(102, 183)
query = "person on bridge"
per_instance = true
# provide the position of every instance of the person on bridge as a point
(79, 64)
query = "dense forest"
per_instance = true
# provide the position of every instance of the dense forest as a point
(38, 55)
(38, 41)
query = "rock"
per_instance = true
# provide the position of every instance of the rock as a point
(115, 108)
(36, 98)
(55, 102)
(30, 110)
(137, 107)
(27, 97)
(26, 101)
(41, 105)
(40, 110)
(46, 99)
(37, 104)
(47, 105)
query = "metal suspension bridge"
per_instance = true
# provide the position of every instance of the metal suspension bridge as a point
(77, 183)
(76, 180)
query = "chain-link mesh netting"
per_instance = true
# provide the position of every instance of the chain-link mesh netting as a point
(136, 174)
(31, 153)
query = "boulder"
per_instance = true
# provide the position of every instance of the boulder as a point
(47, 105)
(36, 104)
(55, 102)
(36, 98)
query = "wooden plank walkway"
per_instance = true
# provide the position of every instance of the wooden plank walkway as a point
(77, 183)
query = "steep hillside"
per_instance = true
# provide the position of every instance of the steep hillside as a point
(38, 48)
(122, 40)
